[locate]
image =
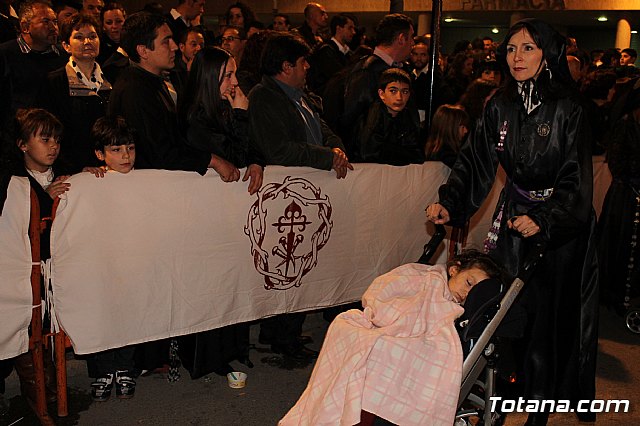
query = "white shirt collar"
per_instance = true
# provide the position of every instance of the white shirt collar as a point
(341, 47)
(384, 56)
(422, 71)
(175, 15)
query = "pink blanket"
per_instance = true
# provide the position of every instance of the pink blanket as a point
(400, 358)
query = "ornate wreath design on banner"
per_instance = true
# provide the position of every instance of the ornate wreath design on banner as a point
(283, 266)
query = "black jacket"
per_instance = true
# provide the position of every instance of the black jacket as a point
(114, 65)
(391, 140)
(278, 130)
(306, 33)
(107, 48)
(178, 27)
(78, 110)
(442, 94)
(229, 140)
(326, 61)
(142, 99)
(22, 76)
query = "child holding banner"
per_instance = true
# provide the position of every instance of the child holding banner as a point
(114, 143)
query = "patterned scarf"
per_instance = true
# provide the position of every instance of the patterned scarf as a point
(95, 81)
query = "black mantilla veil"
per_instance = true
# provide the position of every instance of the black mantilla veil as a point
(554, 80)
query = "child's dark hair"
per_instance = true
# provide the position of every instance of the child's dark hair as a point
(25, 124)
(392, 75)
(111, 130)
(471, 258)
(29, 121)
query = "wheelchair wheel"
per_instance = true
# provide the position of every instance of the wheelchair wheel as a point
(633, 320)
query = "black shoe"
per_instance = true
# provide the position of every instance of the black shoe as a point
(125, 384)
(297, 352)
(101, 388)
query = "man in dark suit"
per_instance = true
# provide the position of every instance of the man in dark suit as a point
(26, 60)
(182, 16)
(332, 56)
(287, 130)
(394, 34)
(315, 20)
(422, 77)
(147, 101)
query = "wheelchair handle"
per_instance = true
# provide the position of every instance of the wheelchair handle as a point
(532, 260)
(431, 247)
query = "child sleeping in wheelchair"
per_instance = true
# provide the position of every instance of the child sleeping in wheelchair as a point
(399, 358)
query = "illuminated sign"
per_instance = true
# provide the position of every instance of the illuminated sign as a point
(512, 5)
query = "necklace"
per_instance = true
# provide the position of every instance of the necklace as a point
(94, 81)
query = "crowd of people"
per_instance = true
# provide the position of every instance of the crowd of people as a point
(91, 88)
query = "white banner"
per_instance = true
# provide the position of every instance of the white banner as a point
(154, 254)
(15, 270)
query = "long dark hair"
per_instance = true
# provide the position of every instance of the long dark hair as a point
(553, 82)
(202, 94)
(445, 129)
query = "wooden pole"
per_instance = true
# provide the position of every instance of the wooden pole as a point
(61, 342)
(35, 340)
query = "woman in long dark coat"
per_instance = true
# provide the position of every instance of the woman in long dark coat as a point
(535, 128)
(214, 119)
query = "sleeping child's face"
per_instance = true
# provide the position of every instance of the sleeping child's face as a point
(461, 282)
(118, 157)
(395, 96)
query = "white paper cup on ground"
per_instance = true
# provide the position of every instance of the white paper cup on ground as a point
(237, 379)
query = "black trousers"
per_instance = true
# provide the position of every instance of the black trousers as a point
(283, 329)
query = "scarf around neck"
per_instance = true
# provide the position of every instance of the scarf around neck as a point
(94, 81)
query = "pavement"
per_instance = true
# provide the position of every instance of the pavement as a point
(273, 386)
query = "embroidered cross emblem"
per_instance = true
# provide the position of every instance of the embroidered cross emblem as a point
(294, 220)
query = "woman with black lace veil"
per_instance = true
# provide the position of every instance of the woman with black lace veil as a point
(535, 128)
